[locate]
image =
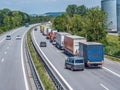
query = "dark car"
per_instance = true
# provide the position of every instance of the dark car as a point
(8, 37)
(43, 44)
(74, 63)
(35, 29)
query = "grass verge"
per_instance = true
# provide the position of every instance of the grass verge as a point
(47, 82)
(112, 58)
(113, 47)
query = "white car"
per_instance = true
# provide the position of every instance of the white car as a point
(18, 37)
(8, 37)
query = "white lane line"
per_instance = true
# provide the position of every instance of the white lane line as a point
(22, 61)
(2, 60)
(5, 52)
(104, 86)
(2, 40)
(70, 88)
(112, 72)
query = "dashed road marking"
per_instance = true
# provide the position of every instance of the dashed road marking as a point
(5, 52)
(2, 60)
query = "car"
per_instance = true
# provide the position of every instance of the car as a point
(74, 63)
(18, 37)
(35, 29)
(8, 37)
(43, 44)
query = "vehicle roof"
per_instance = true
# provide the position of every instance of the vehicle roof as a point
(91, 43)
(75, 37)
(62, 33)
(42, 42)
(76, 57)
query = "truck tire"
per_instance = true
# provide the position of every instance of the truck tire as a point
(72, 68)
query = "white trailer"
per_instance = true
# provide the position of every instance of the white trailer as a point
(60, 39)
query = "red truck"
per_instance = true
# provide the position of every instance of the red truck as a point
(53, 36)
(71, 44)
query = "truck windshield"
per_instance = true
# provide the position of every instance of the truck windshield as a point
(78, 61)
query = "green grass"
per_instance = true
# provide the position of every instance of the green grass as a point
(113, 47)
(47, 82)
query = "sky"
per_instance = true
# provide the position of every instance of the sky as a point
(43, 6)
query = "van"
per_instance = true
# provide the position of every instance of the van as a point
(74, 63)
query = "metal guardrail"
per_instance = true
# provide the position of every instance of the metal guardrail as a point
(38, 83)
(50, 71)
(57, 79)
(113, 56)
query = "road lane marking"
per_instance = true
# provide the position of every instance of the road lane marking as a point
(112, 72)
(2, 40)
(104, 86)
(22, 61)
(70, 88)
(5, 52)
(2, 60)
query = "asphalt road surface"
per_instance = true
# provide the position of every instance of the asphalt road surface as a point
(107, 78)
(12, 71)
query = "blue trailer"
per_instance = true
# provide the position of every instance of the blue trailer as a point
(92, 52)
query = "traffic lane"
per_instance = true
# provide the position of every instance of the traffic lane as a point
(78, 80)
(11, 73)
(11, 69)
(112, 65)
(107, 78)
(6, 44)
(115, 86)
(3, 36)
(4, 47)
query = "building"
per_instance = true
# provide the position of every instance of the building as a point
(110, 8)
(118, 16)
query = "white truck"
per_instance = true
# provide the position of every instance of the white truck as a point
(60, 39)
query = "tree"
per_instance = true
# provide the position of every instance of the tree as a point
(97, 24)
(11, 19)
(71, 10)
(76, 24)
(81, 10)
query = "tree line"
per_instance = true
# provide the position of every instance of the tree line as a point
(80, 20)
(12, 19)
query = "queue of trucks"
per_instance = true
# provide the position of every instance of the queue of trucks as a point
(73, 45)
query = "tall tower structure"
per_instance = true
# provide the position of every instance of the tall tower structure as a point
(110, 8)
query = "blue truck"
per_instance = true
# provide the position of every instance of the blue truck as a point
(92, 52)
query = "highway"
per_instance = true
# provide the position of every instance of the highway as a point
(12, 70)
(107, 78)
